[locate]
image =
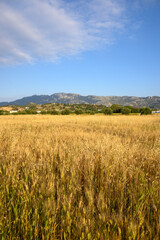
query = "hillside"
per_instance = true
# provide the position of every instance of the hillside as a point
(152, 102)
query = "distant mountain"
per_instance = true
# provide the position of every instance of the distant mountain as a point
(3, 103)
(152, 102)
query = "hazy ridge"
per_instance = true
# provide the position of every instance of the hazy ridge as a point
(70, 98)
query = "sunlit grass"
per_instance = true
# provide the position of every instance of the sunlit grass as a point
(79, 177)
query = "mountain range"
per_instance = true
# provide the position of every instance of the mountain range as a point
(71, 98)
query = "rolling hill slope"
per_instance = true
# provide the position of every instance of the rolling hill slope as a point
(152, 102)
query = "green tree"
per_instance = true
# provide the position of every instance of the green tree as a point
(54, 112)
(1, 112)
(133, 109)
(32, 106)
(116, 108)
(108, 111)
(145, 111)
(78, 111)
(65, 112)
(126, 111)
(43, 112)
(92, 113)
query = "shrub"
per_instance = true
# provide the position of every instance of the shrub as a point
(1, 112)
(91, 113)
(108, 111)
(43, 112)
(15, 113)
(78, 111)
(145, 111)
(22, 112)
(126, 111)
(133, 109)
(116, 108)
(65, 112)
(54, 112)
(27, 112)
(6, 113)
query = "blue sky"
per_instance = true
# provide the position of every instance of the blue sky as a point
(90, 47)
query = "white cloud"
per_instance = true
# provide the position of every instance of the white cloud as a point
(35, 30)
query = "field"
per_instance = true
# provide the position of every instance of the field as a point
(79, 177)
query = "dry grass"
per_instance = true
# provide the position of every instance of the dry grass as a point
(79, 177)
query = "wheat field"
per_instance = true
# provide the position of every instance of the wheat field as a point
(79, 177)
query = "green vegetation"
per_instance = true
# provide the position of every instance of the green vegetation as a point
(108, 111)
(145, 111)
(54, 112)
(1, 112)
(4, 112)
(65, 112)
(126, 111)
(78, 109)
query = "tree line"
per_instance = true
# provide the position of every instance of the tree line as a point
(78, 109)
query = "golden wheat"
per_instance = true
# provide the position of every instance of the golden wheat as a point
(79, 177)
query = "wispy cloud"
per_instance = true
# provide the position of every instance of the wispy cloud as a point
(34, 30)
(37, 30)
